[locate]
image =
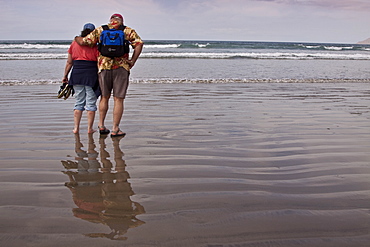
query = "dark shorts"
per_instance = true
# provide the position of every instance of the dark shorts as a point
(115, 80)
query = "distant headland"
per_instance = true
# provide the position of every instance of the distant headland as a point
(364, 42)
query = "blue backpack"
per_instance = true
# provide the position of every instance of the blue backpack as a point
(113, 43)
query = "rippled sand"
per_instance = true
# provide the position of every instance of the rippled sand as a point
(260, 164)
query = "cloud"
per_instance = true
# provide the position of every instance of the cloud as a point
(262, 20)
(352, 5)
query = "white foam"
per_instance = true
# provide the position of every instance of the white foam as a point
(202, 45)
(338, 48)
(161, 46)
(196, 81)
(32, 56)
(205, 55)
(256, 55)
(33, 46)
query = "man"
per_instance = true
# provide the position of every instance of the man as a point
(114, 73)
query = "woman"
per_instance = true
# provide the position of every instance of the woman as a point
(84, 78)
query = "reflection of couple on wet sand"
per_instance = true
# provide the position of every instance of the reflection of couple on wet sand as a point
(102, 193)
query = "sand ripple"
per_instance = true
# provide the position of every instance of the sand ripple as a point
(281, 164)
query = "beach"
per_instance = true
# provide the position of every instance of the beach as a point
(202, 164)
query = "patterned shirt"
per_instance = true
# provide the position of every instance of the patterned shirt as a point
(107, 63)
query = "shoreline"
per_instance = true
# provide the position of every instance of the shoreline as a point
(199, 81)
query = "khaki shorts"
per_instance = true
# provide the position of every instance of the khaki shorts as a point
(116, 80)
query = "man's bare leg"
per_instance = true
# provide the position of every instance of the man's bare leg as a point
(117, 114)
(103, 109)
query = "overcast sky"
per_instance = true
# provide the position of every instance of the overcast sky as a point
(338, 21)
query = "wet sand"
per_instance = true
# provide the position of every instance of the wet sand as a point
(260, 164)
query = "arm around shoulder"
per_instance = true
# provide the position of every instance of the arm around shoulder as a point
(79, 40)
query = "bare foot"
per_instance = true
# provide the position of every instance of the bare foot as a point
(75, 131)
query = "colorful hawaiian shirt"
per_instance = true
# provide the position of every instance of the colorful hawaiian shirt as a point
(107, 63)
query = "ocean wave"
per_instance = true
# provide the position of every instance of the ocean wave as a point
(187, 44)
(338, 48)
(311, 46)
(242, 81)
(331, 47)
(32, 56)
(180, 45)
(257, 55)
(161, 46)
(205, 55)
(66, 46)
(34, 46)
(194, 81)
(202, 45)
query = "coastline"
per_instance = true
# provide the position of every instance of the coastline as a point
(245, 164)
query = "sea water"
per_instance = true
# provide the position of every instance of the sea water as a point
(43, 61)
